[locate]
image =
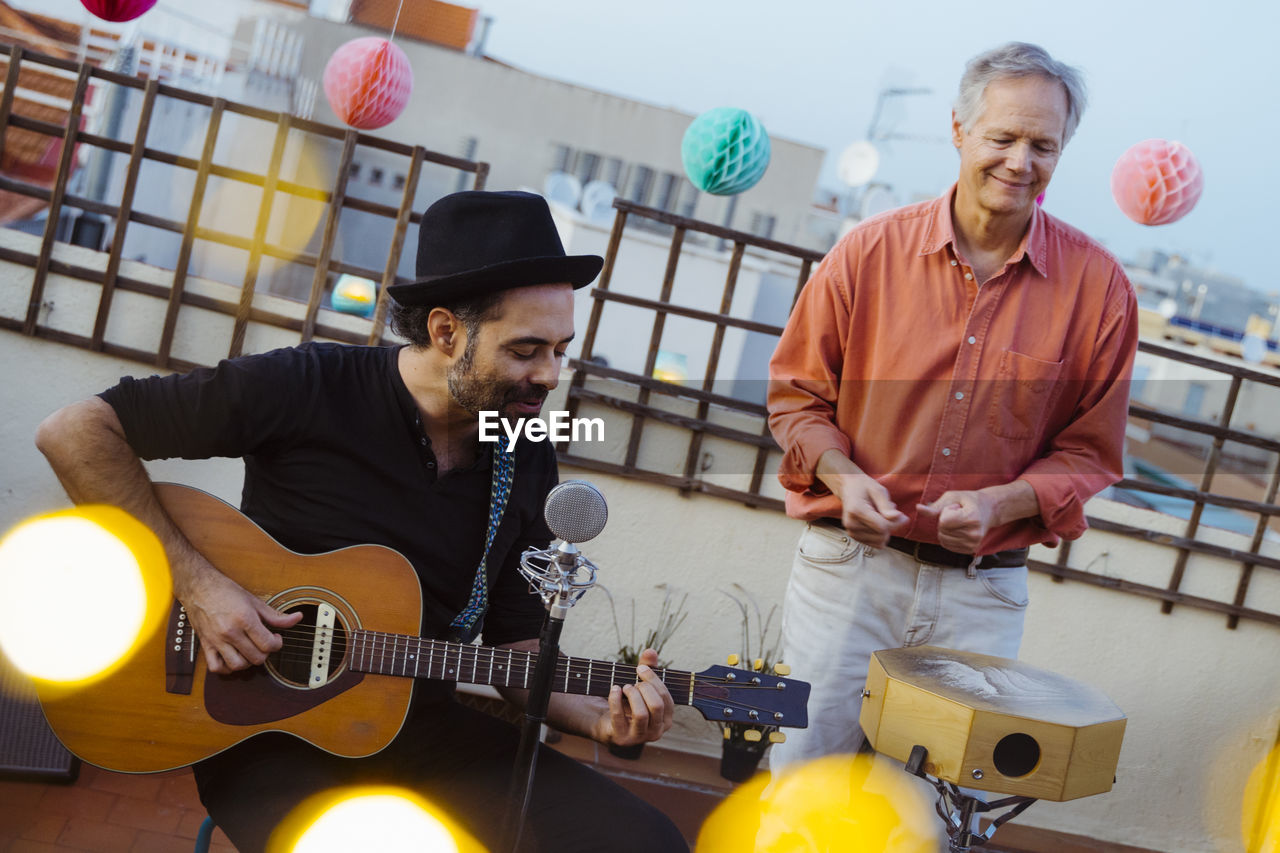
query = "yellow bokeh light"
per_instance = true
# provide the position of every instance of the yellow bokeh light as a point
(840, 802)
(1261, 824)
(79, 589)
(231, 206)
(383, 818)
(311, 163)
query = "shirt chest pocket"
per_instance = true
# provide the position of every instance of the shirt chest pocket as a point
(1024, 389)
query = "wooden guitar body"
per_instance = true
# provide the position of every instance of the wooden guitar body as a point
(131, 720)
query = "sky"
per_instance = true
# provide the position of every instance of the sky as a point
(1202, 73)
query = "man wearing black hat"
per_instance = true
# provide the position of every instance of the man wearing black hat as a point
(347, 445)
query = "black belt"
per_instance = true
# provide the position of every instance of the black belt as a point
(936, 555)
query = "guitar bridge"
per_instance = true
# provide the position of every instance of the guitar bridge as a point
(322, 648)
(180, 651)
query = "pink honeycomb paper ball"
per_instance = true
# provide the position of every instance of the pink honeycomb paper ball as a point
(117, 10)
(368, 81)
(1157, 182)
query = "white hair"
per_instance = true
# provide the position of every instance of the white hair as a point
(1018, 59)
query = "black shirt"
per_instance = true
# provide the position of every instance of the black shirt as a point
(335, 455)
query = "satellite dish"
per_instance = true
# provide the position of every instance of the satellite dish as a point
(858, 163)
(597, 201)
(563, 189)
(877, 198)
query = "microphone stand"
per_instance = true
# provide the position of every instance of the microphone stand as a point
(553, 574)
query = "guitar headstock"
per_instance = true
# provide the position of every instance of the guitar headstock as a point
(727, 695)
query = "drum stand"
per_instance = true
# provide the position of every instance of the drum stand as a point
(560, 576)
(958, 810)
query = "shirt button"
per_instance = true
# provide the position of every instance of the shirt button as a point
(946, 451)
(959, 395)
(423, 440)
(968, 276)
(431, 465)
(972, 339)
(953, 263)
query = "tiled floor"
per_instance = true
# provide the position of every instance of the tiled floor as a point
(158, 813)
(103, 811)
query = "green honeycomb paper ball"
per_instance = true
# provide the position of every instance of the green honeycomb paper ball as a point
(725, 151)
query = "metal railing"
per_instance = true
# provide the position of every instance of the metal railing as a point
(1220, 432)
(265, 175)
(699, 416)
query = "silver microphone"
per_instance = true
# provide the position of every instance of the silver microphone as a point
(575, 511)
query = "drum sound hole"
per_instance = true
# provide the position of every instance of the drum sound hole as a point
(292, 664)
(1016, 754)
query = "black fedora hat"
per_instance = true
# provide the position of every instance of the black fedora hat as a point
(475, 243)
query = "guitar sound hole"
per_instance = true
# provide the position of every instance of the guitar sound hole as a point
(293, 663)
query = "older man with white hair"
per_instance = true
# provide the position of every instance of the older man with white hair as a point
(951, 387)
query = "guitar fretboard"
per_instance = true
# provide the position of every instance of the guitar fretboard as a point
(416, 657)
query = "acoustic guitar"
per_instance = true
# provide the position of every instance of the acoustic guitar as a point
(345, 675)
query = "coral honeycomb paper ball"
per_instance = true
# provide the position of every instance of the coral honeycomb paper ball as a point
(118, 10)
(1157, 182)
(368, 82)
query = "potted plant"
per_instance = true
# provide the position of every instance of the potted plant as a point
(744, 744)
(670, 617)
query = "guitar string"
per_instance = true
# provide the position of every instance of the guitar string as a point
(684, 683)
(394, 641)
(467, 654)
(577, 674)
(682, 692)
(478, 657)
(579, 667)
(576, 667)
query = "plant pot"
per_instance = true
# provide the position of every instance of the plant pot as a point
(631, 753)
(740, 758)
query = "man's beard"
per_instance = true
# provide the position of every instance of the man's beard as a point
(477, 393)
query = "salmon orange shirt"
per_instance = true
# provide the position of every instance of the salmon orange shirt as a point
(895, 356)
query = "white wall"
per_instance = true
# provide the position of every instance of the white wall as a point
(1203, 702)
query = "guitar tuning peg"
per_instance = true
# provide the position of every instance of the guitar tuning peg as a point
(752, 735)
(733, 660)
(781, 669)
(777, 737)
(757, 664)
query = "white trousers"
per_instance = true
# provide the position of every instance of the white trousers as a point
(846, 600)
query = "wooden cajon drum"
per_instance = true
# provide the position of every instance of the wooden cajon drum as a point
(991, 723)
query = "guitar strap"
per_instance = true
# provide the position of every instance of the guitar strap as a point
(466, 625)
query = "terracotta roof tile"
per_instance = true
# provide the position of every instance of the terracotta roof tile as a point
(427, 20)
